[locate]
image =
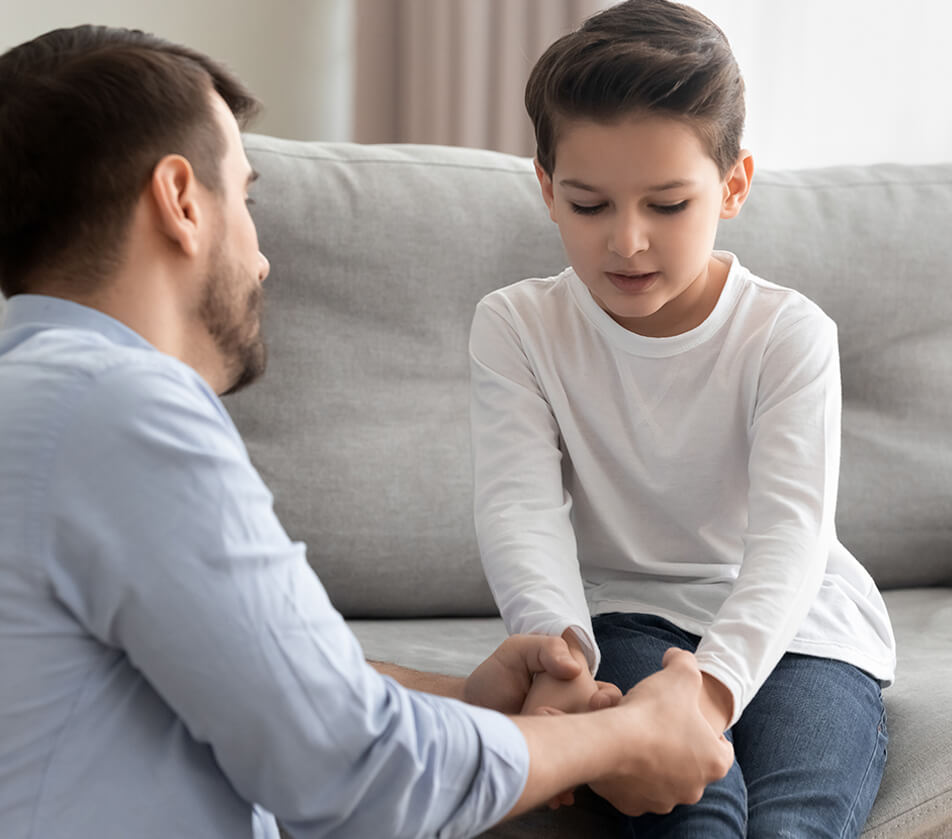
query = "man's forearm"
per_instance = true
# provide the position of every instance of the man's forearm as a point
(436, 683)
(568, 750)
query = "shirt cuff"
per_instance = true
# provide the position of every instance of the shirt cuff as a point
(502, 774)
(708, 664)
(589, 647)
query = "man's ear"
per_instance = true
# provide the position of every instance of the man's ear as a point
(547, 193)
(174, 190)
(737, 185)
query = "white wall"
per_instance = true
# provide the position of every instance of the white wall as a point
(295, 55)
(842, 81)
(829, 81)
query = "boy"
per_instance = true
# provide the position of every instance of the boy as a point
(656, 437)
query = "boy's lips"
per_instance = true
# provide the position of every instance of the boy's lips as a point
(632, 282)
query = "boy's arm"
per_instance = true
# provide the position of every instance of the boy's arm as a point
(793, 467)
(522, 509)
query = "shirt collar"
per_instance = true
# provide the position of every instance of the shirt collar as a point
(40, 311)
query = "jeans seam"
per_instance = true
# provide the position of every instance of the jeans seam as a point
(880, 737)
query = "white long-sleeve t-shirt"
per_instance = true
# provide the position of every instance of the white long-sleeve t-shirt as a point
(692, 477)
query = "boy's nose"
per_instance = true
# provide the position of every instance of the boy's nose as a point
(264, 267)
(628, 238)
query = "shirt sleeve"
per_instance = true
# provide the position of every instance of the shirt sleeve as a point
(793, 467)
(522, 510)
(164, 543)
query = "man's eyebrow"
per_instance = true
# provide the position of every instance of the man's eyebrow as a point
(571, 182)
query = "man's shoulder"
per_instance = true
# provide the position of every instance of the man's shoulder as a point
(88, 358)
(70, 381)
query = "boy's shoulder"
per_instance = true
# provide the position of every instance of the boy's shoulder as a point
(536, 303)
(783, 306)
(529, 292)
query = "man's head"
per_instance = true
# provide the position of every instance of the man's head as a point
(640, 58)
(98, 123)
(85, 114)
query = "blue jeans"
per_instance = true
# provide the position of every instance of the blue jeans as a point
(809, 749)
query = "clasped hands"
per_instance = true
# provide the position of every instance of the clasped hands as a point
(675, 718)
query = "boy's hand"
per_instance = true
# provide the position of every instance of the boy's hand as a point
(571, 696)
(503, 681)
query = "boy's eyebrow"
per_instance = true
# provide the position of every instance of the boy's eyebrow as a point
(571, 182)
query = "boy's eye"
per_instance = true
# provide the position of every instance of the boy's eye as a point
(587, 209)
(669, 209)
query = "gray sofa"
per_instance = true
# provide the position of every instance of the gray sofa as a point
(379, 255)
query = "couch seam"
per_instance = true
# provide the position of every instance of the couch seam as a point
(388, 162)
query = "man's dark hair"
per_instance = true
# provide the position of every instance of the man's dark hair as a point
(85, 115)
(640, 57)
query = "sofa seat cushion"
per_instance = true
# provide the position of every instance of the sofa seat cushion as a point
(915, 799)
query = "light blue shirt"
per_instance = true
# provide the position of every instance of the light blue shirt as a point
(167, 656)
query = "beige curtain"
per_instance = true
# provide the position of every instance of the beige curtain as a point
(453, 71)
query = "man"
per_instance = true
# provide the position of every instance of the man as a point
(171, 665)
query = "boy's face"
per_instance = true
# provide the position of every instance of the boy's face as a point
(637, 203)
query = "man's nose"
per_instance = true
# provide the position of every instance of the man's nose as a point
(264, 267)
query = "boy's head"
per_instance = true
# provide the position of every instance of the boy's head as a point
(640, 57)
(85, 115)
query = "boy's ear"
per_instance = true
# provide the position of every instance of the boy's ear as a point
(174, 188)
(546, 183)
(737, 185)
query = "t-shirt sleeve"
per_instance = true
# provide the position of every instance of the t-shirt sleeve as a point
(794, 445)
(522, 509)
(163, 543)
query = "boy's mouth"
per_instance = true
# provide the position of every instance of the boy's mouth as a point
(632, 283)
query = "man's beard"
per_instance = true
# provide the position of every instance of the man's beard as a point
(234, 324)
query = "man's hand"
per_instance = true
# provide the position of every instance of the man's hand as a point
(677, 752)
(503, 681)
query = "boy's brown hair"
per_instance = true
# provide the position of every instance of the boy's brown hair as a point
(85, 114)
(640, 56)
